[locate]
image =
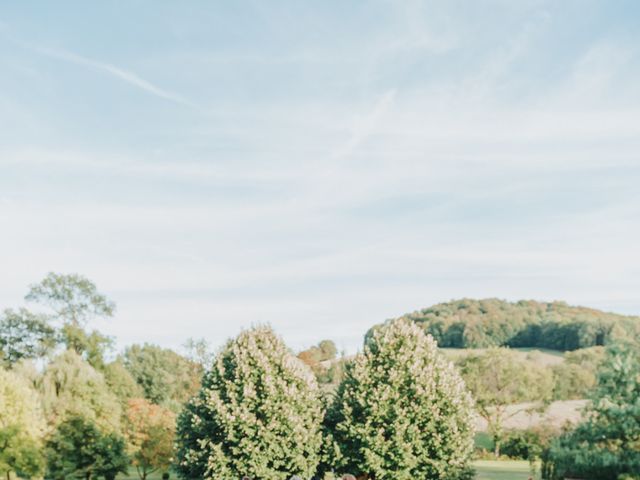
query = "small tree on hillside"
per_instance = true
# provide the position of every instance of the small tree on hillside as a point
(258, 414)
(499, 381)
(150, 432)
(402, 411)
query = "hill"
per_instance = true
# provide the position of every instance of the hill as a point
(469, 323)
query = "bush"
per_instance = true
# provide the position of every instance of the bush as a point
(527, 444)
(402, 411)
(258, 414)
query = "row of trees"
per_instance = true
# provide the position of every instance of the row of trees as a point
(64, 409)
(401, 412)
(82, 430)
(488, 323)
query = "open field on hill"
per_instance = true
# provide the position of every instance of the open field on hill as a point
(557, 415)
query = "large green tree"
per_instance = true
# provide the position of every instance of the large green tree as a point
(166, 377)
(402, 411)
(72, 387)
(257, 414)
(505, 385)
(21, 426)
(73, 301)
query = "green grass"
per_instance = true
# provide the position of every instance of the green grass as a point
(502, 470)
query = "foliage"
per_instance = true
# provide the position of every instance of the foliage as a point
(150, 432)
(71, 387)
(21, 426)
(74, 300)
(607, 444)
(402, 411)
(24, 335)
(527, 444)
(166, 377)
(498, 379)
(325, 350)
(257, 414)
(120, 382)
(324, 364)
(79, 448)
(488, 323)
(576, 376)
(19, 452)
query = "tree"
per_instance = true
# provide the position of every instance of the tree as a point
(121, 383)
(257, 414)
(166, 377)
(499, 380)
(21, 426)
(402, 411)
(78, 448)
(150, 434)
(606, 445)
(74, 300)
(72, 387)
(24, 335)
(19, 453)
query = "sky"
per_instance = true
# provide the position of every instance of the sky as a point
(319, 166)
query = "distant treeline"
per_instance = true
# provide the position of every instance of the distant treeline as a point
(469, 323)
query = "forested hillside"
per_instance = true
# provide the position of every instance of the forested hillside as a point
(470, 323)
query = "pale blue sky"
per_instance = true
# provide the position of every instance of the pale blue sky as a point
(321, 166)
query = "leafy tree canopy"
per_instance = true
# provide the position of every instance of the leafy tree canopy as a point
(24, 335)
(166, 377)
(606, 445)
(402, 411)
(257, 414)
(73, 301)
(72, 387)
(21, 426)
(498, 379)
(150, 434)
(79, 448)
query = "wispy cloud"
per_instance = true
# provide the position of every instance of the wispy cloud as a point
(125, 75)
(365, 125)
